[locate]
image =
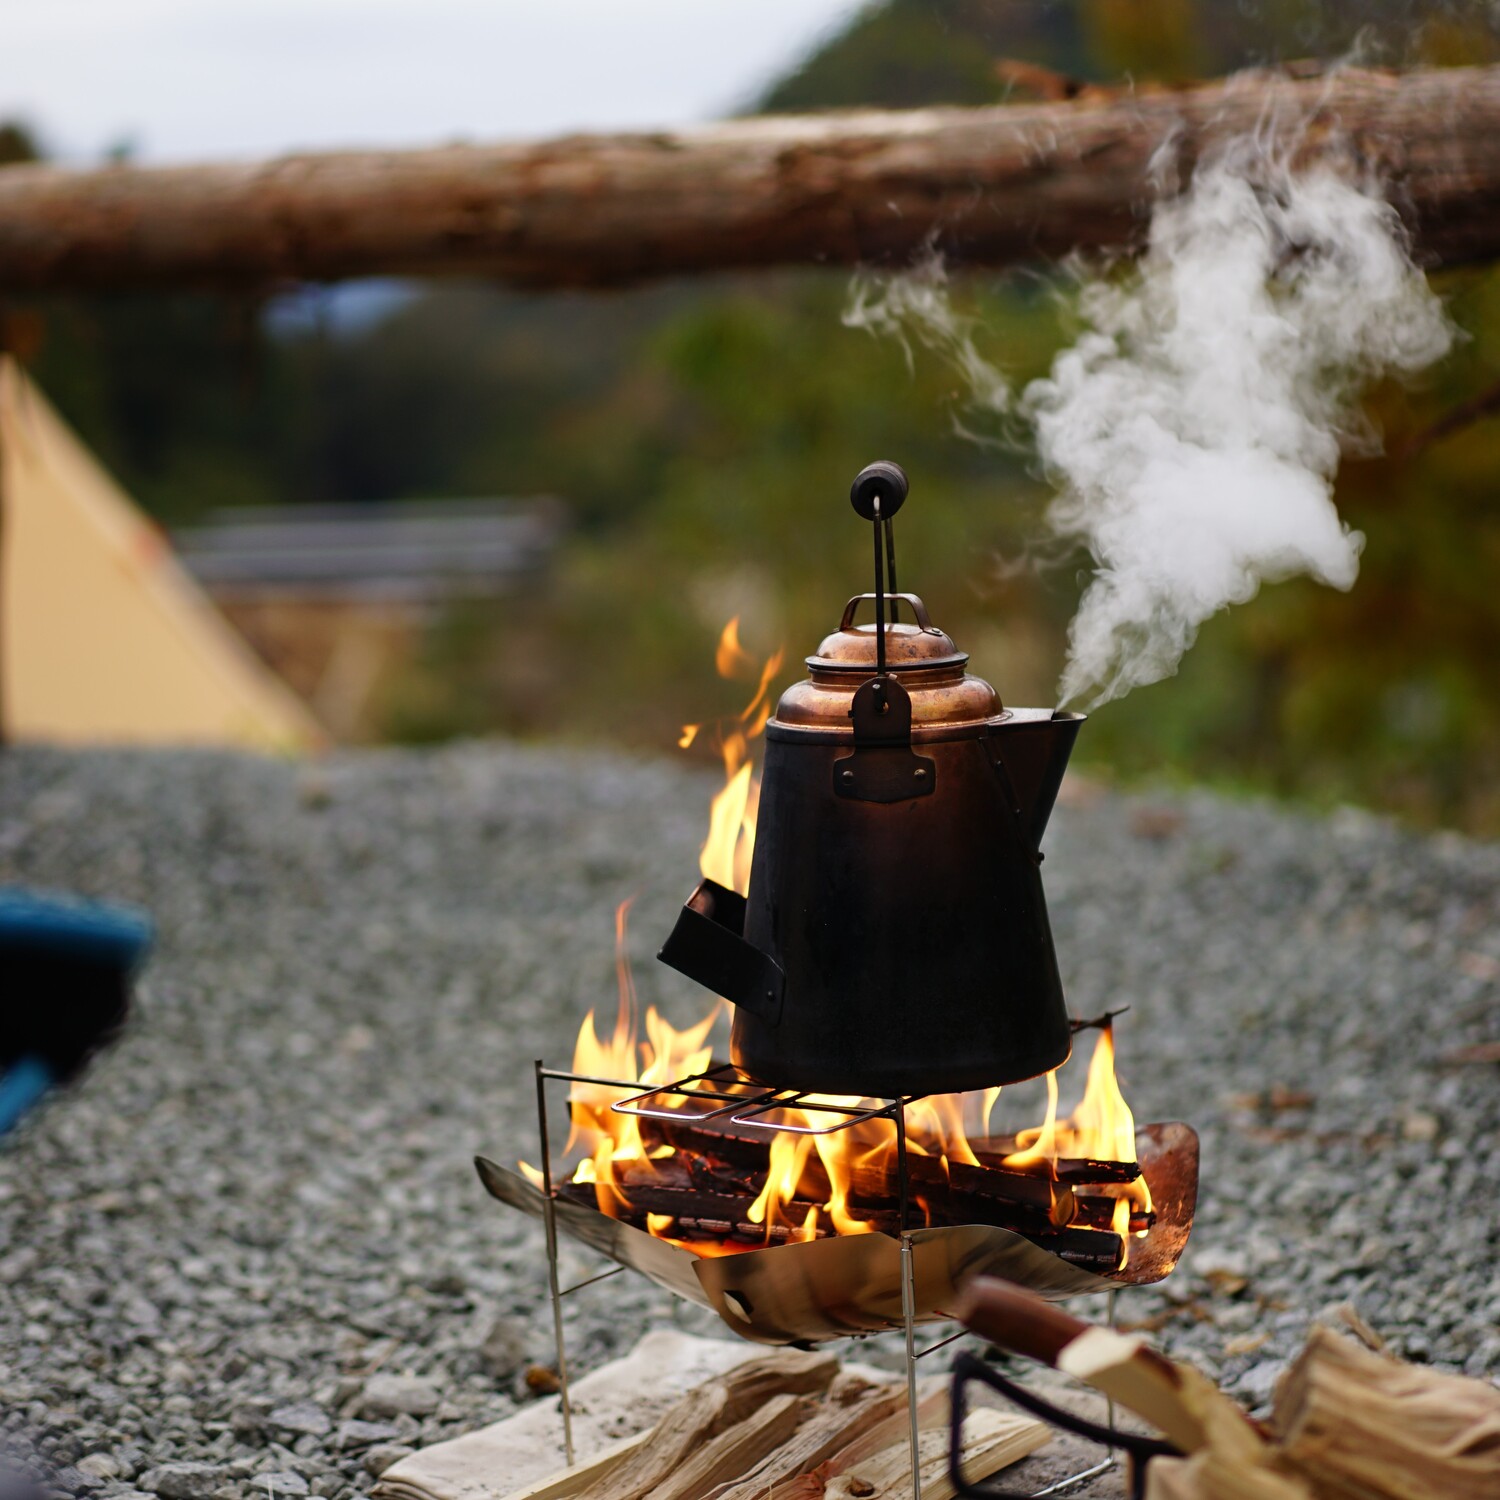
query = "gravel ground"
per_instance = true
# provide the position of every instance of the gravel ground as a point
(248, 1256)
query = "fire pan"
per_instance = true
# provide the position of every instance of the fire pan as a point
(807, 1291)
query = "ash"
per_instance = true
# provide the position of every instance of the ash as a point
(248, 1256)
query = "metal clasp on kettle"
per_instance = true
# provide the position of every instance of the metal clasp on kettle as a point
(883, 767)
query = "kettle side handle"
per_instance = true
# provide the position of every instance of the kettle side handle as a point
(707, 943)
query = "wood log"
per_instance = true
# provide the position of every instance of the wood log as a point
(1363, 1424)
(879, 1182)
(1074, 1170)
(1099, 1213)
(736, 1449)
(729, 1146)
(989, 186)
(832, 1428)
(992, 1440)
(703, 1215)
(706, 1412)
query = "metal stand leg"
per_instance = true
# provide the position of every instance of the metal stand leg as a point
(1109, 1318)
(549, 1218)
(908, 1312)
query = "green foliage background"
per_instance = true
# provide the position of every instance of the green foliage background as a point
(704, 436)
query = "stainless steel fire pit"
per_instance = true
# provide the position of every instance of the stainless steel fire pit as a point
(854, 1285)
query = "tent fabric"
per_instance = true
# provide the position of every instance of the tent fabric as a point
(104, 638)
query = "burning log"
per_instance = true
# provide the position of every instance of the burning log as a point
(986, 186)
(699, 1215)
(1074, 1170)
(726, 1142)
(705, 1185)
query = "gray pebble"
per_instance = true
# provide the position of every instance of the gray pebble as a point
(281, 1482)
(356, 1434)
(301, 1418)
(183, 1481)
(99, 1465)
(398, 1395)
(503, 1351)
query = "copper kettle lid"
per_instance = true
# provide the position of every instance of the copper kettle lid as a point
(853, 648)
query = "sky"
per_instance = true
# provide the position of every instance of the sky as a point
(183, 80)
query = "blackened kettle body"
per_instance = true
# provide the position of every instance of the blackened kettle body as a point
(894, 939)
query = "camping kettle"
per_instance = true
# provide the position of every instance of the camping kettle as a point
(894, 939)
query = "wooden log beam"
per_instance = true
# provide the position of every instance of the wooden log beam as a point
(986, 186)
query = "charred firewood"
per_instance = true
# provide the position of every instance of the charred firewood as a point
(1099, 1213)
(666, 1196)
(992, 1151)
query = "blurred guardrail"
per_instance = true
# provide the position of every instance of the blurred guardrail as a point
(337, 597)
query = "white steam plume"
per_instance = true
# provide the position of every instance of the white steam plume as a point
(1194, 429)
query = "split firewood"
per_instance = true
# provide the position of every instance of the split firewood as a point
(736, 1449)
(933, 1411)
(830, 1429)
(992, 1440)
(1348, 1423)
(705, 1413)
(877, 1464)
(1359, 1424)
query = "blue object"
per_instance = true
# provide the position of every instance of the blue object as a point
(119, 936)
(22, 1086)
(65, 970)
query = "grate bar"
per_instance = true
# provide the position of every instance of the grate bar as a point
(747, 1109)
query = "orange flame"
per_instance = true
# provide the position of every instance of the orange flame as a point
(730, 845)
(1038, 1148)
(789, 1153)
(819, 1170)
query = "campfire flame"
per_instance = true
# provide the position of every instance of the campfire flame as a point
(810, 1186)
(726, 853)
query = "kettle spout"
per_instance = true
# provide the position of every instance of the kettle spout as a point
(1033, 754)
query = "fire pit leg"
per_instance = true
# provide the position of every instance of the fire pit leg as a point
(908, 1315)
(549, 1219)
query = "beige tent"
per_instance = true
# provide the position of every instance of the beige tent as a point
(104, 639)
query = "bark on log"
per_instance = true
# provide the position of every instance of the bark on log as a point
(985, 186)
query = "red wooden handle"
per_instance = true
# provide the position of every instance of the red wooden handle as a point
(1017, 1320)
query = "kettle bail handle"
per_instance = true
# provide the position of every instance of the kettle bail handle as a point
(878, 492)
(918, 608)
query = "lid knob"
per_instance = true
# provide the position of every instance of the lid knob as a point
(884, 481)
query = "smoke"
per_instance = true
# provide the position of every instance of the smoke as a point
(1194, 428)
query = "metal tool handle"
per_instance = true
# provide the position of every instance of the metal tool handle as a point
(878, 492)
(881, 481)
(967, 1368)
